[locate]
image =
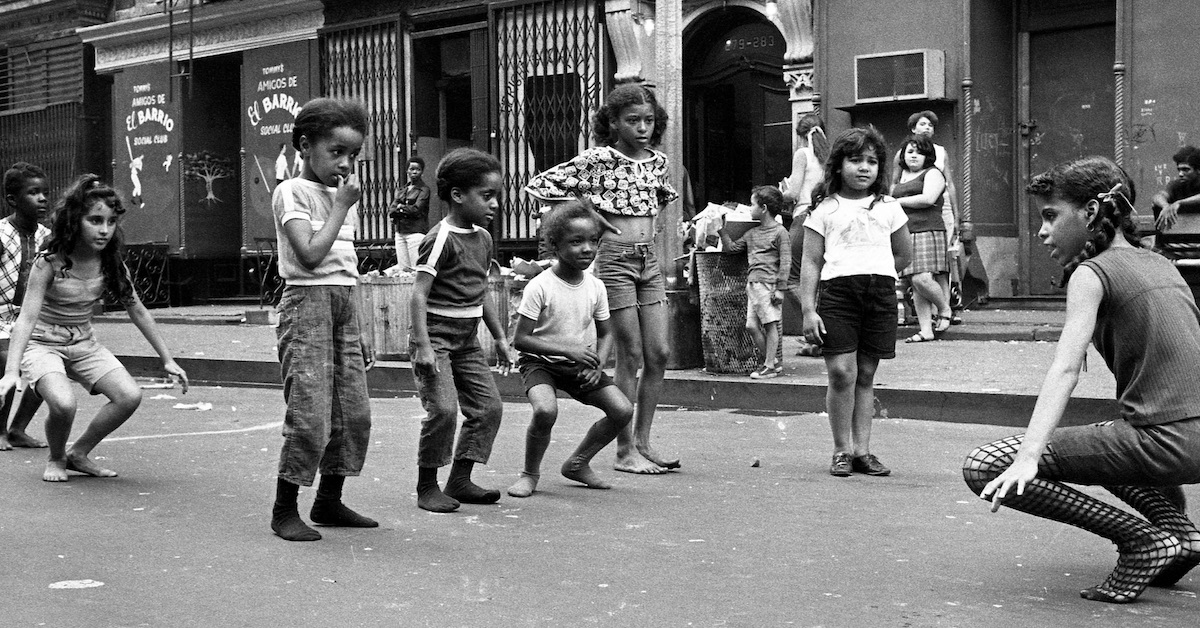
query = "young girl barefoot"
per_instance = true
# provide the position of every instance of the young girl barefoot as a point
(1135, 308)
(564, 340)
(53, 340)
(626, 180)
(855, 241)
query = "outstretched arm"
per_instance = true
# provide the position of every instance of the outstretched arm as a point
(145, 323)
(1084, 293)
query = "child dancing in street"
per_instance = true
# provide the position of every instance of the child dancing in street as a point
(22, 235)
(769, 255)
(1135, 308)
(855, 242)
(563, 336)
(449, 298)
(627, 182)
(53, 341)
(323, 357)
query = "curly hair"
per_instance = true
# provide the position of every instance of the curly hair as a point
(916, 117)
(1087, 179)
(320, 116)
(554, 225)
(77, 200)
(769, 198)
(18, 175)
(463, 168)
(618, 99)
(924, 148)
(847, 144)
(1187, 155)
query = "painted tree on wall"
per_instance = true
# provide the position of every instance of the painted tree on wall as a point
(209, 167)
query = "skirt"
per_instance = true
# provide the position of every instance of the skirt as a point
(928, 254)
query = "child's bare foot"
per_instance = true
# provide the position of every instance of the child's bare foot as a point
(84, 465)
(633, 462)
(581, 472)
(525, 485)
(56, 471)
(653, 456)
(20, 439)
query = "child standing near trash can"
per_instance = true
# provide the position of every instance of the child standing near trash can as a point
(449, 297)
(563, 336)
(769, 256)
(322, 355)
(855, 242)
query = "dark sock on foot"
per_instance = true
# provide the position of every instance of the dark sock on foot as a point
(460, 487)
(429, 495)
(285, 518)
(328, 513)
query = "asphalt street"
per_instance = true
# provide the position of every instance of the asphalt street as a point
(752, 531)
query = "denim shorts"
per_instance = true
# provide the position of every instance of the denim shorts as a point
(68, 349)
(759, 308)
(630, 274)
(564, 376)
(1121, 454)
(859, 312)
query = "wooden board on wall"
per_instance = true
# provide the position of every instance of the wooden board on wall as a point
(146, 144)
(276, 82)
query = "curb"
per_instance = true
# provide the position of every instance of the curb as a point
(687, 388)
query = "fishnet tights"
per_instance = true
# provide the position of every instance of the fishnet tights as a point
(1145, 550)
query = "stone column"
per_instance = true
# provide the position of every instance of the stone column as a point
(795, 23)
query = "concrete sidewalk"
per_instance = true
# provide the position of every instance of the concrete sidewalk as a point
(987, 370)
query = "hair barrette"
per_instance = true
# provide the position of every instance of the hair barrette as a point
(1109, 196)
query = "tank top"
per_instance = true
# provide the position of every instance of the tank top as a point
(1148, 332)
(923, 218)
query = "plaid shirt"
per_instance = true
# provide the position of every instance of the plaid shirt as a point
(17, 250)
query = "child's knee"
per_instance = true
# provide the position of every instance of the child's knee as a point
(543, 418)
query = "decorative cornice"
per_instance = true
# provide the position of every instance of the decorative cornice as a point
(217, 29)
(629, 40)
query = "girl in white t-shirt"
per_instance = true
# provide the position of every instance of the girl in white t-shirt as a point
(855, 241)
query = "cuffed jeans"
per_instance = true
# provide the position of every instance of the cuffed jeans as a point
(462, 379)
(328, 420)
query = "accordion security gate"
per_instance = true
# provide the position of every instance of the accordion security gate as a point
(549, 76)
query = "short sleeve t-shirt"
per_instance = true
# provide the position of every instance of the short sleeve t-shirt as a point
(566, 314)
(458, 260)
(858, 235)
(301, 199)
(613, 182)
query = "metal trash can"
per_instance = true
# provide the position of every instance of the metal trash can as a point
(728, 347)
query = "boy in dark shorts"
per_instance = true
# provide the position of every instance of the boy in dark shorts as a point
(564, 342)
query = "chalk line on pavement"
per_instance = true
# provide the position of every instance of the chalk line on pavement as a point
(256, 428)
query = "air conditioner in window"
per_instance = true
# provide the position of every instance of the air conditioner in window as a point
(903, 75)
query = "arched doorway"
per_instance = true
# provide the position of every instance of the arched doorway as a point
(737, 118)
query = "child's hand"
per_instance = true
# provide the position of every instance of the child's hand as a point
(348, 192)
(1020, 473)
(423, 359)
(368, 352)
(584, 356)
(505, 357)
(174, 369)
(777, 297)
(590, 377)
(7, 383)
(814, 328)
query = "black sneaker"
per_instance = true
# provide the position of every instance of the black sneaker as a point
(870, 465)
(841, 466)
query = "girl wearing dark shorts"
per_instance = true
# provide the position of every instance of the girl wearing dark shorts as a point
(855, 241)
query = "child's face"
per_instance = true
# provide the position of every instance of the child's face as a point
(913, 158)
(577, 248)
(1064, 227)
(97, 226)
(924, 126)
(757, 211)
(415, 170)
(330, 159)
(1186, 171)
(859, 172)
(477, 205)
(634, 127)
(30, 202)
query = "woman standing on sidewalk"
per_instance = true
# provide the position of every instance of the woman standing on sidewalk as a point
(1134, 306)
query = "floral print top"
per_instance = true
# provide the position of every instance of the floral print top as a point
(613, 182)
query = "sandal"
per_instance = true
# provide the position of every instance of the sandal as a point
(917, 337)
(941, 323)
